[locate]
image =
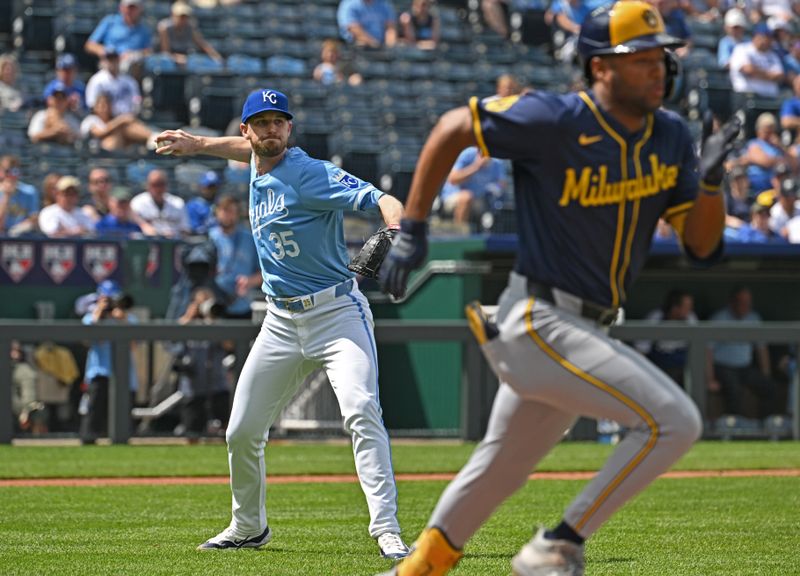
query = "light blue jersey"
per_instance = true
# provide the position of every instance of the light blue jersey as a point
(296, 215)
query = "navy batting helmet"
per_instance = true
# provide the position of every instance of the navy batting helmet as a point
(624, 28)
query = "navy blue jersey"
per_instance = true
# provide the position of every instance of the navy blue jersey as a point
(588, 192)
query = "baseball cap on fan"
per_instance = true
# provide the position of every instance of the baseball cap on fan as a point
(265, 100)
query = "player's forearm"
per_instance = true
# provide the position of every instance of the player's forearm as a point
(704, 225)
(229, 147)
(391, 210)
(449, 137)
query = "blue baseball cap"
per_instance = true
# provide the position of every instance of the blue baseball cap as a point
(762, 28)
(55, 87)
(66, 61)
(210, 178)
(110, 288)
(265, 100)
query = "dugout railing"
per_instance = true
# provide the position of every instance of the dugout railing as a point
(474, 379)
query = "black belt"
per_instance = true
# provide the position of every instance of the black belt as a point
(590, 310)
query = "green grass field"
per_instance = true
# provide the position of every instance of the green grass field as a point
(678, 527)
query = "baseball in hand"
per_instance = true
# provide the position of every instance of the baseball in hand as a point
(162, 143)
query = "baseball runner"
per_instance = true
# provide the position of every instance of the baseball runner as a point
(593, 172)
(316, 316)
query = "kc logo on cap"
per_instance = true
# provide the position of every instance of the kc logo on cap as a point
(265, 100)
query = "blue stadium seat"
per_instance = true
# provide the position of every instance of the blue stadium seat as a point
(202, 64)
(244, 64)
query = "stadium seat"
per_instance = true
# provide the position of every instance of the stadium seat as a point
(202, 64)
(244, 64)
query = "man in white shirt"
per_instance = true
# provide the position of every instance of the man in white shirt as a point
(64, 219)
(755, 67)
(158, 212)
(126, 97)
(785, 208)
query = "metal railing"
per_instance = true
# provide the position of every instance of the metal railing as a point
(386, 331)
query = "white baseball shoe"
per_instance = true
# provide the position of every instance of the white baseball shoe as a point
(229, 540)
(544, 557)
(392, 546)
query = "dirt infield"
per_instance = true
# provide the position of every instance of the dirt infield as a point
(345, 478)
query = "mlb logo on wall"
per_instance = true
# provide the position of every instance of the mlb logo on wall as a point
(17, 259)
(58, 260)
(100, 260)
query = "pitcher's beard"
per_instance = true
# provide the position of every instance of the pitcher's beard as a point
(268, 149)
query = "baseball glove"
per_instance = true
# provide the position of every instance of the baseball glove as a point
(368, 261)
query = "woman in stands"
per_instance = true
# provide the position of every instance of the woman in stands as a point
(421, 26)
(113, 133)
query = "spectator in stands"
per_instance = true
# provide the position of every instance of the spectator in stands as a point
(664, 233)
(495, 14)
(119, 221)
(781, 42)
(19, 202)
(331, 70)
(737, 198)
(114, 133)
(179, 36)
(368, 23)
(67, 74)
(793, 230)
(670, 355)
(237, 262)
(731, 366)
(10, 96)
(790, 109)
(122, 88)
(757, 231)
(672, 11)
(64, 219)
(735, 27)
(199, 208)
(764, 153)
(786, 207)
(473, 183)
(765, 9)
(568, 16)
(99, 187)
(55, 123)
(158, 212)
(112, 307)
(507, 85)
(421, 26)
(754, 65)
(792, 59)
(49, 190)
(123, 33)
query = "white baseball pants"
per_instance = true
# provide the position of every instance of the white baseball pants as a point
(338, 336)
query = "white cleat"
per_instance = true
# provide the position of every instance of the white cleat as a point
(228, 540)
(544, 557)
(392, 546)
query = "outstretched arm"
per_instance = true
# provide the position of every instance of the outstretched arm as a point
(182, 143)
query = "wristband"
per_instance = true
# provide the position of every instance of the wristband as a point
(393, 226)
(710, 189)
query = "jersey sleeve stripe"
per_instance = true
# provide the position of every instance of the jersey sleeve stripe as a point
(640, 411)
(476, 127)
(685, 207)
